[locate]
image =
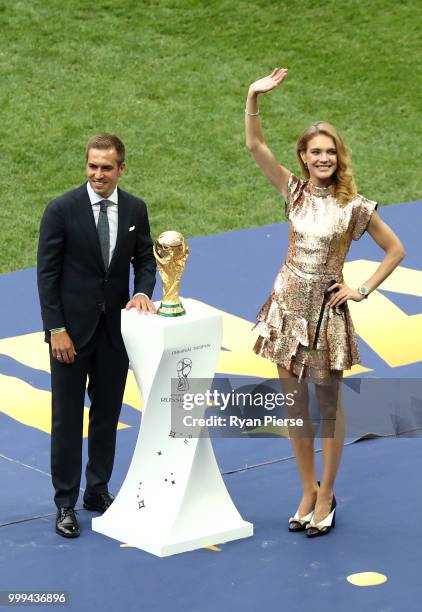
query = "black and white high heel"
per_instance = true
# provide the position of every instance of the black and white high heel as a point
(296, 523)
(314, 530)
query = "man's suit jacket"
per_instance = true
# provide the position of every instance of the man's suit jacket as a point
(73, 285)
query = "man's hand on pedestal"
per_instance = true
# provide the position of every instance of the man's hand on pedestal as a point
(142, 303)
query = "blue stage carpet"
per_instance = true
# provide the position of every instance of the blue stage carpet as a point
(377, 530)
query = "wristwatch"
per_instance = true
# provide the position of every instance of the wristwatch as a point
(364, 291)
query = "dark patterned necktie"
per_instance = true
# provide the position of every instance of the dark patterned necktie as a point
(103, 230)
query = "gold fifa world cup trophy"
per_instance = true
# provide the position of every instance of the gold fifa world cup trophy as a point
(171, 253)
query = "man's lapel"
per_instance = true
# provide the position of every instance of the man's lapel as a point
(123, 211)
(85, 216)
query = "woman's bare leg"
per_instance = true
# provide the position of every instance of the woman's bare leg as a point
(329, 398)
(302, 440)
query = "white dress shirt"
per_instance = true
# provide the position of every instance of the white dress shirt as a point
(112, 213)
(112, 216)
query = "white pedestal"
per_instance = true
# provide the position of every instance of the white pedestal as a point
(173, 498)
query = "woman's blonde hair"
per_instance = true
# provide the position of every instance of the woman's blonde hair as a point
(345, 188)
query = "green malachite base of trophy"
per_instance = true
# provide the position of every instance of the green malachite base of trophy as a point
(171, 310)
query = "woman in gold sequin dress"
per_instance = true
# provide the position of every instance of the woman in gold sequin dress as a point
(305, 325)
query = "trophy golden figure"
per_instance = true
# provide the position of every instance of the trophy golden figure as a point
(171, 253)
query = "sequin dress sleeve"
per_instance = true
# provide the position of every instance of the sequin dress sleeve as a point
(294, 192)
(362, 213)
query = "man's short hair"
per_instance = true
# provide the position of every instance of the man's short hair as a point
(107, 141)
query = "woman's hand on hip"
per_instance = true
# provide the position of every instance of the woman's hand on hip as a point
(342, 293)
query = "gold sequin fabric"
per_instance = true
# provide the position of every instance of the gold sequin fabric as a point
(320, 234)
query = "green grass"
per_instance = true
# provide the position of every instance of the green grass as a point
(170, 77)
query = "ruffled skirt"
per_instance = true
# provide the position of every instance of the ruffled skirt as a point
(287, 325)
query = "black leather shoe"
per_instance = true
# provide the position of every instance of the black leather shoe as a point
(98, 503)
(66, 523)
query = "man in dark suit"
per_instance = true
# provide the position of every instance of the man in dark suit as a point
(88, 238)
